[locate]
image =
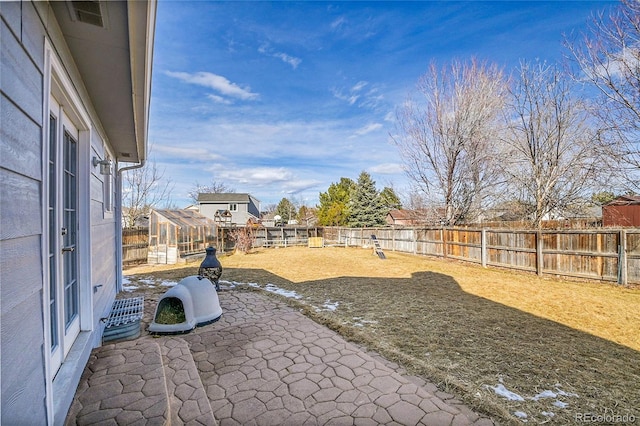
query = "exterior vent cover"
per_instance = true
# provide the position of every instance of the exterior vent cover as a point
(89, 12)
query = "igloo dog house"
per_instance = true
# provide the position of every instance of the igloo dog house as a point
(191, 303)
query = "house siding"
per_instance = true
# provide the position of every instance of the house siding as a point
(24, 380)
(22, 373)
(621, 215)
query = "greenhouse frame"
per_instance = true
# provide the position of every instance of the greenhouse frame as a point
(174, 234)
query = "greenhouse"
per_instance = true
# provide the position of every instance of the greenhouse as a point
(174, 234)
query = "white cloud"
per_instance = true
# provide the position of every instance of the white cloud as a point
(294, 62)
(270, 159)
(216, 82)
(355, 95)
(387, 168)
(186, 153)
(390, 116)
(617, 65)
(371, 127)
(219, 99)
(296, 186)
(339, 22)
(359, 86)
(265, 49)
(258, 176)
(349, 98)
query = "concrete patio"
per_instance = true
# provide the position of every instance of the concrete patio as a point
(262, 363)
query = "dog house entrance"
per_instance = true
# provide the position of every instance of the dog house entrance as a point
(170, 311)
(192, 302)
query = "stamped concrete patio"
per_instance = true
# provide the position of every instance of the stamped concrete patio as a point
(262, 363)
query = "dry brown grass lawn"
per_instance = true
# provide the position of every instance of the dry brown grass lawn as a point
(467, 328)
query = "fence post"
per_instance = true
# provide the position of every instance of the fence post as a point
(539, 258)
(622, 258)
(443, 233)
(393, 238)
(483, 247)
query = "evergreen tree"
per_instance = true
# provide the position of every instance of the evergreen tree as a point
(334, 204)
(366, 206)
(306, 215)
(286, 210)
(390, 199)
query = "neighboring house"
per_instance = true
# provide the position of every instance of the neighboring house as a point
(241, 206)
(74, 104)
(623, 211)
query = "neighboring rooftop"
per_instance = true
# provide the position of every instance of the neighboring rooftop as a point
(225, 197)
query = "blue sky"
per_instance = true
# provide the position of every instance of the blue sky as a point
(280, 99)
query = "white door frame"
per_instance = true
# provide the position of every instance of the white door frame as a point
(62, 101)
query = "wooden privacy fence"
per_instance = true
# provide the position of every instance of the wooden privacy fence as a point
(602, 254)
(135, 243)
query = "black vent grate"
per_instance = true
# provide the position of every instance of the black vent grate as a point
(88, 12)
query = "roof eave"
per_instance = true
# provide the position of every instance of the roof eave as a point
(142, 22)
(115, 65)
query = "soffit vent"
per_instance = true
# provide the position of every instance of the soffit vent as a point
(89, 12)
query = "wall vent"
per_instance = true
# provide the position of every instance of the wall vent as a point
(89, 12)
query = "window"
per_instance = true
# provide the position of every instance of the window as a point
(233, 207)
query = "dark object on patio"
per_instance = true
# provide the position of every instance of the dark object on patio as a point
(123, 321)
(191, 303)
(211, 268)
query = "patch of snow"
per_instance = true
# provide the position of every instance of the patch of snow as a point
(129, 288)
(229, 284)
(545, 394)
(548, 413)
(560, 404)
(359, 322)
(520, 414)
(282, 292)
(331, 306)
(125, 280)
(168, 283)
(147, 281)
(563, 393)
(500, 390)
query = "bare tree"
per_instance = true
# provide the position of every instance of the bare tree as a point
(213, 188)
(550, 155)
(244, 237)
(143, 189)
(446, 139)
(609, 58)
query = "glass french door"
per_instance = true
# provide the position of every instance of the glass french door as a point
(62, 221)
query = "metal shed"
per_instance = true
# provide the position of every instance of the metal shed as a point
(174, 234)
(623, 211)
